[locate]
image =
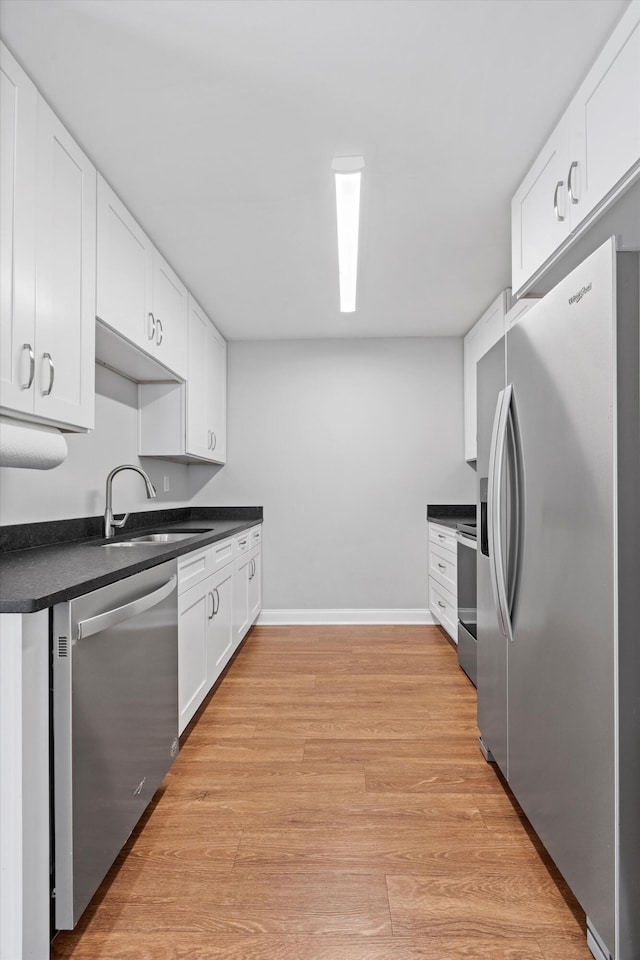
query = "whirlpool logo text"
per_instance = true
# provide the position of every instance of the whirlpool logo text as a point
(577, 297)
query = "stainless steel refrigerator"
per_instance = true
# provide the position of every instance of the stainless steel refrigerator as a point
(559, 583)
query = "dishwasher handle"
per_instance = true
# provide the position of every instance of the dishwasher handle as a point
(86, 628)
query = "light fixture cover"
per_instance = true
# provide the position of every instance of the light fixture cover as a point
(348, 174)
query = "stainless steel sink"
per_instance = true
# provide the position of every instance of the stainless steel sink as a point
(152, 539)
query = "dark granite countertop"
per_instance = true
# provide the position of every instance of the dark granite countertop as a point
(49, 572)
(451, 514)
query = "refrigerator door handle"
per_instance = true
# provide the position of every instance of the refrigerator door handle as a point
(491, 509)
(501, 586)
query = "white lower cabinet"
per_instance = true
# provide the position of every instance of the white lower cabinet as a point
(248, 593)
(220, 636)
(219, 598)
(194, 609)
(443, 578)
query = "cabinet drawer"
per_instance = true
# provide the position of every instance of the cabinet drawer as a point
(443, 537)
(222, 553)
(443, 568)
(444, 608)
(255, 536)
(247, 540)
(193, 568)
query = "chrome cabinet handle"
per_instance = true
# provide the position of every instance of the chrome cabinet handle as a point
(52, 374)
(152, 332)
(441, 536)
(241, 543)
(559, 184)
(572, 196)
(441, 604)
(160, 331)
(442, 566)
(32, 366)
(217, 597)
(213, 605)
(214, 440)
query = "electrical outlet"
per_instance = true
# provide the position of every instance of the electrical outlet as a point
(166, 484)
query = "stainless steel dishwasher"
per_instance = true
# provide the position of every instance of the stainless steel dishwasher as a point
(115, 723)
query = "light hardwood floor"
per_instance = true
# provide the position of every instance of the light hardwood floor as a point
(330, 803)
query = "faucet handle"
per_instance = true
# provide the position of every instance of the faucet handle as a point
(121, 522)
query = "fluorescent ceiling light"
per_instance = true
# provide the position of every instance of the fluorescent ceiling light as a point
(348, 174)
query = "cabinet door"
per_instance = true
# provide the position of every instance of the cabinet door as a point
(18, 110)
(124, 271)
(197, 435)
(194, 611)
(217, 395)
(255, 587)
(65, 276)
(241, 601)
(170, 306)
(605, 119)
(471, 357)
(220, 641)
(540, 210)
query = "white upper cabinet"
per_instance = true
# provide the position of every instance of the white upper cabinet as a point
(139, 296)
(188, 421)
(48, 237)
(540, 214)
(216, 395)
(482, 336)
(604, 119)
(169, 316)
(197, 413)
(592, 155)
(124, 275)
(18, 134)
(65, 276)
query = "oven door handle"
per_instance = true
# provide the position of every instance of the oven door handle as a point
(86, 628)
(466, 540)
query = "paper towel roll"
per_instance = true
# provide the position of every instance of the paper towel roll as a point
(30, 445)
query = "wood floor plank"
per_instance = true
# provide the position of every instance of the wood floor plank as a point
(330, 803)
(318, 905)
(435, 776)
(434, 745)
(436, 848)
(185, 946)
(493, 905)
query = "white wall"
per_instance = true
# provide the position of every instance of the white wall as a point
(76, 487)
(343, 442)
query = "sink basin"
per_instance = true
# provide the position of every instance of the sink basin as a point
(152, 538)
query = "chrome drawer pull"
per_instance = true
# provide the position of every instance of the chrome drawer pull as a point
(442, 566)
(152, 331)
(441, 604)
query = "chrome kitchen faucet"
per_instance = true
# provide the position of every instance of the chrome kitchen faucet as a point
(109, 523)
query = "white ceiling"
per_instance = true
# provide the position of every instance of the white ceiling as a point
(216, 122)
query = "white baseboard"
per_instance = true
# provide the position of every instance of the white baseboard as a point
(281, 617)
